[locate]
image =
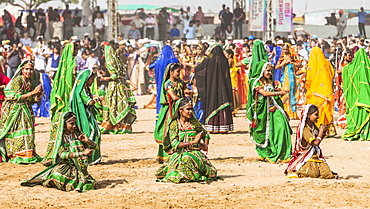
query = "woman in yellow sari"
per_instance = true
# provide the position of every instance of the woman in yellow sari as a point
(319, 85)
(229, 54)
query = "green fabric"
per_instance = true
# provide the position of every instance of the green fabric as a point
(99, 107)
(356, 91)
(184, 165)
(259, 53)
(270, 129)
(66, 174)
(63, 82)
(17, 131)
(60, 94)
(166, 112)
(85, 113)
(120, 101)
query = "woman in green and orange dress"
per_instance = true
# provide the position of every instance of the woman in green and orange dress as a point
(68, 171)
(187, 139)
(118, 112)
(17, 131)
(173, 89)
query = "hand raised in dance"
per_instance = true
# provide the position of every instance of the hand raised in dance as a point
(83, 138)
(323, 130)
(197, 138)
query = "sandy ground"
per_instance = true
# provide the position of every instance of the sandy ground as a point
(125, 178)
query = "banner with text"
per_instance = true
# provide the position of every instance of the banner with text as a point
(257, 15)
(284, 15)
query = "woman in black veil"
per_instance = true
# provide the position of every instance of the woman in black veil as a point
(214, 87)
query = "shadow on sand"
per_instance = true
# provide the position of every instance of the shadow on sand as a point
(110, 183)
(111, 162)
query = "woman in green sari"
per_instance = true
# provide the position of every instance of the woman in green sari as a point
(82, 103)
(173, 89)
(187, 138)
(118, 113)
(356, 92)
(17, 131)
(68, 171)
(269, 125)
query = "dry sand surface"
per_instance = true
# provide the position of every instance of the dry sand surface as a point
(125, 178)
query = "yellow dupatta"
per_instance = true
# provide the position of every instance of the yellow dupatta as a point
(319, 85)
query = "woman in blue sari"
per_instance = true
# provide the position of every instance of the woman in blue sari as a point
(42, 108)
(288, 62)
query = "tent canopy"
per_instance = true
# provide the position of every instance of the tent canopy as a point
(145, 7)
(136, 6)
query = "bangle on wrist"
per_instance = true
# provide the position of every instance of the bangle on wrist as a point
(318, 138)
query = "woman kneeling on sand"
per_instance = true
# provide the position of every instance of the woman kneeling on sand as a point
(307, 159)
(69, 169)
(184, 143)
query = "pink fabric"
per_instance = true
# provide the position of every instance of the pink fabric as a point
(3, 81)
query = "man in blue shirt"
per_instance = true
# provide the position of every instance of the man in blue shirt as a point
(134, 33)
(361, 21)
(189, 31)
(174, 32)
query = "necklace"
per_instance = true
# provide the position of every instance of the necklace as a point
(313, 130)
(185, 127)
(68, 138)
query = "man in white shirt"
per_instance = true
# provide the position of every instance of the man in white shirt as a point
(139, 24)
(199, 32)
(91, 61)
(150, 23)
(301, 51)
(189, 31)
(99, 26)
(342, 23)
(190, 14)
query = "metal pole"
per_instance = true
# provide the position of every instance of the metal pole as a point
(270, 21)
(113, 25)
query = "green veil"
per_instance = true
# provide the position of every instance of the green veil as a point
(85, 116)
(356, 91)
(259, 53)
(63, 82)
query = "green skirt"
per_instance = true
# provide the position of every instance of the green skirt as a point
(63, 176)
(279, 146)
(187, 166)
